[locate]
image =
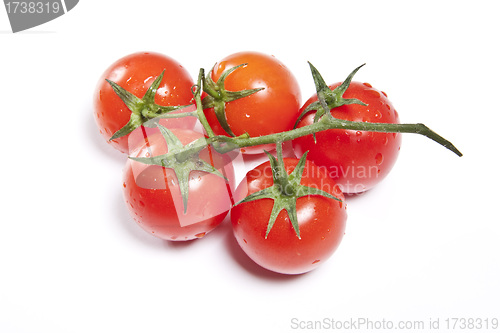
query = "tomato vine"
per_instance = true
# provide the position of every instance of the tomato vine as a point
(290, 187)
(324, 122)
(180, 157)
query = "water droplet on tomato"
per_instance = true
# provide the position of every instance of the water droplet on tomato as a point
(378, 115)
(374, 93)
(200, 235)
(386, 141)
(142, 204)
(337, 190)
(359, 133)
(124, 185)
(367, 84)
(316, 261)
(384, 93)
(379, 158)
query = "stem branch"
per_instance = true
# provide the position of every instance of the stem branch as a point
(199, 106)
(331, 123)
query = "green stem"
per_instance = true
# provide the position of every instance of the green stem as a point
(331, 123)
(224, 144)
(199, 106)
(173, 115)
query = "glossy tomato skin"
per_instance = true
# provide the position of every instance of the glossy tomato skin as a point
(136, 72)
(321, 222)
(356, 160)
(153, 196)
(268, 111)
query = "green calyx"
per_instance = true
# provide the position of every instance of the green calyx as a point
(286, 190)
(218, 96)
(144, 111)
(327, 98)
(182, 159)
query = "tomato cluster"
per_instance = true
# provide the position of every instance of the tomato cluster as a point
(288, 214)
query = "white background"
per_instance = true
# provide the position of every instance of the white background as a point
(423, 245)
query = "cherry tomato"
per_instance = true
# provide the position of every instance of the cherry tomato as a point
(154, 198)
(356, 160)
(321, 222)
(135, 73)
(271, 110)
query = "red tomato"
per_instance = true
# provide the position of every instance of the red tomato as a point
(154, 199)
(356, 160)
(321, 222)
(271, 110)
(135, 73)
